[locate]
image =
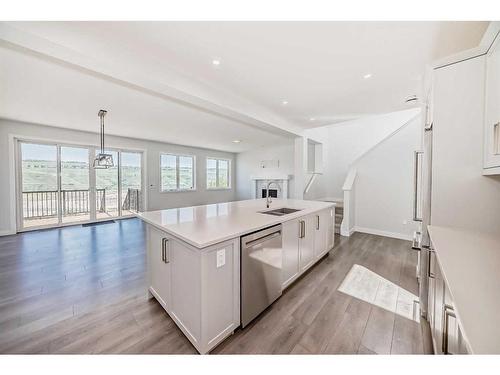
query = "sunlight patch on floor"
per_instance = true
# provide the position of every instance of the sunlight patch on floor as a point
(370, 287)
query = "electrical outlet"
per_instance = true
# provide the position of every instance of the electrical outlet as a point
(405, 222)
(221, 258)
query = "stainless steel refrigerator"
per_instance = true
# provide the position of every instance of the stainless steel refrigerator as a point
(422, 204)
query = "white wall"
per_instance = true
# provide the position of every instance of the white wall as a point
(248, 164)
(461, 196)
(155, 200)
(345, 142)
(384, 185)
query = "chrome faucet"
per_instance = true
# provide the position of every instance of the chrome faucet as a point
(268, 197)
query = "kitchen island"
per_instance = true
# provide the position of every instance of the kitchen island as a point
(194, 258)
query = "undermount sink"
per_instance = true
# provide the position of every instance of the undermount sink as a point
(280, 211)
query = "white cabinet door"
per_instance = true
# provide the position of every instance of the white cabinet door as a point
(324, 232)
(186, 288)
(492, 109)
(159, 267)
(319, 234)
(438, 307)
(306, 241)
(290, 261)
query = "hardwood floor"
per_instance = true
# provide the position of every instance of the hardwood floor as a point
(83, 290)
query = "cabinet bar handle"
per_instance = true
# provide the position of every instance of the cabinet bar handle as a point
(429, 273)
(317, 222)
(164, 243)
(302, 229)
(415, 187)
(448, 311)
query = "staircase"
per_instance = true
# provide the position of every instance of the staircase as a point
(339, 215)
(339, 211)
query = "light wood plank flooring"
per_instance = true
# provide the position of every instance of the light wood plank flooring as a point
(82, 290)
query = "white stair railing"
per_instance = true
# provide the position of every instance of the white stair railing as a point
(311, 181)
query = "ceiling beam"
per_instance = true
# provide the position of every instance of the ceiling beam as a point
(251, 115)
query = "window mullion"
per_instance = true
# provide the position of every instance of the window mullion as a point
(177, 172)
(217, 174)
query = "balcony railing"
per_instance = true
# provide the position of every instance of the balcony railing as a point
(43, 204)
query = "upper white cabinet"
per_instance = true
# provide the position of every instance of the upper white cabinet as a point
(492, 111)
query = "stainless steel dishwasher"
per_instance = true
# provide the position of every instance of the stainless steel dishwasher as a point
(261, 258)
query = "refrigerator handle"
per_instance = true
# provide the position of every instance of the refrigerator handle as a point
(415, 185)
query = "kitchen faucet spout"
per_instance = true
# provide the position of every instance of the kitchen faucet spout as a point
(268, 198)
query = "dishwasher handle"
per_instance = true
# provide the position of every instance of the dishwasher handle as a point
(263, 239)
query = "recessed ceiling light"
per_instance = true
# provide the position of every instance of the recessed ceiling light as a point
(216, 62)
(237, 141)
(312, 119)
(368, 75)
(284, 102)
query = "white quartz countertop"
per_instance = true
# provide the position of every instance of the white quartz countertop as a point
(470, 262)
(202, 226)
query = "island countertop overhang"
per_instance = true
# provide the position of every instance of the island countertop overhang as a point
(206, 225)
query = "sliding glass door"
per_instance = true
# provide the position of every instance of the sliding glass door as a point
(75, 185)
(58, 186)
(107, 186)
(130, 182)
(39, 198)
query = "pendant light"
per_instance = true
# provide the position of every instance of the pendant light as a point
(103, 160)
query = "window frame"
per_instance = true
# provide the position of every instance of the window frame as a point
(177, 189)
(217, 159)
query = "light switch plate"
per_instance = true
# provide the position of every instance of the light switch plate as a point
(221, 257)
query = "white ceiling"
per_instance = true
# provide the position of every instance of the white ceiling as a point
(40, 91)
(318, 67)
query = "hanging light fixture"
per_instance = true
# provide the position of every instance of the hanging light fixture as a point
(103, 160)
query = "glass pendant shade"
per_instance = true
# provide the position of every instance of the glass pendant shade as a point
(103, 160)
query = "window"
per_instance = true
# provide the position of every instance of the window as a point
(176, 172)
(218, 174)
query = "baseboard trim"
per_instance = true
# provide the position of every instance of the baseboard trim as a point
(7, 232)
(384, 233)
(347, 233)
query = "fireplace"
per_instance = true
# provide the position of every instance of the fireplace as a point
(273, 193)
(279, 188)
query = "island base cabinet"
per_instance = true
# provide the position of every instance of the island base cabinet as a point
(158, 266)
(290, 258)
(199, 288)
(305, 241)
(446, 332)
(324, 232)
